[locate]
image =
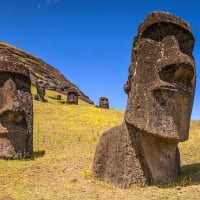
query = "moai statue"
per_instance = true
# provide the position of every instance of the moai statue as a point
(160, 88)
(16, 110)
(72, 96)
(40, 91)
(103, 102)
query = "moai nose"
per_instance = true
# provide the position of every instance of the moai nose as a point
(10, 96)
(175, 66)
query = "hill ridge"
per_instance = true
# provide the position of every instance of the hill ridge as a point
(39, 69)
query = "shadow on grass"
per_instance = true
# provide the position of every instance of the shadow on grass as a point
(37, 154)
(61, 101)
(54, 98)
(190, 175)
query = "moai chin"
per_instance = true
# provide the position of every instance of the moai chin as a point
(40, 91)
(160, 88)
(16, 111)
(103, 102)
(72, 96)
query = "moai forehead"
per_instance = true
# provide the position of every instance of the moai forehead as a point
(72, 90)
(161, 78)
(9, 63)
(17, 68)
(103, 99)
(157, 17)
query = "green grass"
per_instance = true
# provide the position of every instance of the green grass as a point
(65, 137)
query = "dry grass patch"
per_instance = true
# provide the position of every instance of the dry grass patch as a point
(65, 137)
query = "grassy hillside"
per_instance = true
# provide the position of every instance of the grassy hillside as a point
(65, 137)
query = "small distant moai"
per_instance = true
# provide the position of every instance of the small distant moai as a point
(40, 90)
(103, 102)
(160, 88)
(72, 96)
(16, 110)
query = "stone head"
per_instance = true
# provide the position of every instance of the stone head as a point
(162, 77)
(72, 96)
(16, 111)
(103, 102)
(40, 90)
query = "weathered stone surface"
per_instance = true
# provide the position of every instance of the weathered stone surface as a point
(72, 96)
(115, 159)
(40, 91)
(51, 77)
(16, 110)
(160, 90)
(103, 102)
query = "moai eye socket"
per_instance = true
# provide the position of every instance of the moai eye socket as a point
(180, 74)
(22, 82)
(4, 76)
(158, 31)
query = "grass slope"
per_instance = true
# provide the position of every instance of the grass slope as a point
(65, 137)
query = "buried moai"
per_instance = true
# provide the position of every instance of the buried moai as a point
(160, 88)
(72, 96)
(16, 111)
(40, 90)
(103, 102)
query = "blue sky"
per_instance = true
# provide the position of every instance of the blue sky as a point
(90, 41)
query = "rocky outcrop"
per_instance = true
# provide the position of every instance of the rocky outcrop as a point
(38, 69)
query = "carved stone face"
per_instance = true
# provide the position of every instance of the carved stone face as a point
(103, 102)
(40, 91)
(15, 112)
(162, 78)
(72, 96)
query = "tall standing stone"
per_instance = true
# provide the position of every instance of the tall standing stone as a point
(103, 102)
(72, 96)
(160, 88)
(16, 110)
(40, 91)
